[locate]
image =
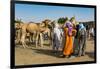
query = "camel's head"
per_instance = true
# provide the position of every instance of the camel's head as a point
(41, 25)
(17, 26)
(47, 22)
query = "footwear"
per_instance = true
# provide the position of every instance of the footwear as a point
(83, 54)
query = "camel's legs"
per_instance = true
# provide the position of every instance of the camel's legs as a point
(37, 37)
(23, 40)
(41, 40)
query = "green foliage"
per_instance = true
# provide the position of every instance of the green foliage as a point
(62, 20)
(73, 18)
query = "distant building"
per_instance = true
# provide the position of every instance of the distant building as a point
(89, 24)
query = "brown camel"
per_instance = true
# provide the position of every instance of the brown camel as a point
(36, 29)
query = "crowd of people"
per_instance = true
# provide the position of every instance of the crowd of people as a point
(74, 39)
(71, 41)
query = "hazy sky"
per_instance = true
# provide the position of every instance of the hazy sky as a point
(38, 13)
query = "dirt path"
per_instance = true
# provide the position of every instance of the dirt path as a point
(44, 55)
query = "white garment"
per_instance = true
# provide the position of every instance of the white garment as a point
(91, 31)
(57, 32)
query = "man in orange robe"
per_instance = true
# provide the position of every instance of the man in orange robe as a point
(68, 48)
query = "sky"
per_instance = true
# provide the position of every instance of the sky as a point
(37, 13)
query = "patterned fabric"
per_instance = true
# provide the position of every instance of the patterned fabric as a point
(69, 26)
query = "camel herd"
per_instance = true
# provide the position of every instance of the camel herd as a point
(33, 31)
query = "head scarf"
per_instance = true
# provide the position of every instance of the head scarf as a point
(69, 26)
(81, 26)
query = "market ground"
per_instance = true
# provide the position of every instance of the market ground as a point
(44, 55)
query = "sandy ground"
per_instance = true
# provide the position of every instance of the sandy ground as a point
(44, 55)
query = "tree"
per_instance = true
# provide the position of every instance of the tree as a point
(62, 20)
(73, 18)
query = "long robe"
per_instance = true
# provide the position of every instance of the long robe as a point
(68, 48)
(76, 40)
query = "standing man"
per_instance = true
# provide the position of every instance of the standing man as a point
(82, 40)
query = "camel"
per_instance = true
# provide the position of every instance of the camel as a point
(36, 29)
(18, 32)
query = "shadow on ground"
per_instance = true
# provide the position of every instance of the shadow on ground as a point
(91, 54)
(47, 52)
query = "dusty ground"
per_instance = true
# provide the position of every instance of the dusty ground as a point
(44, 55)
